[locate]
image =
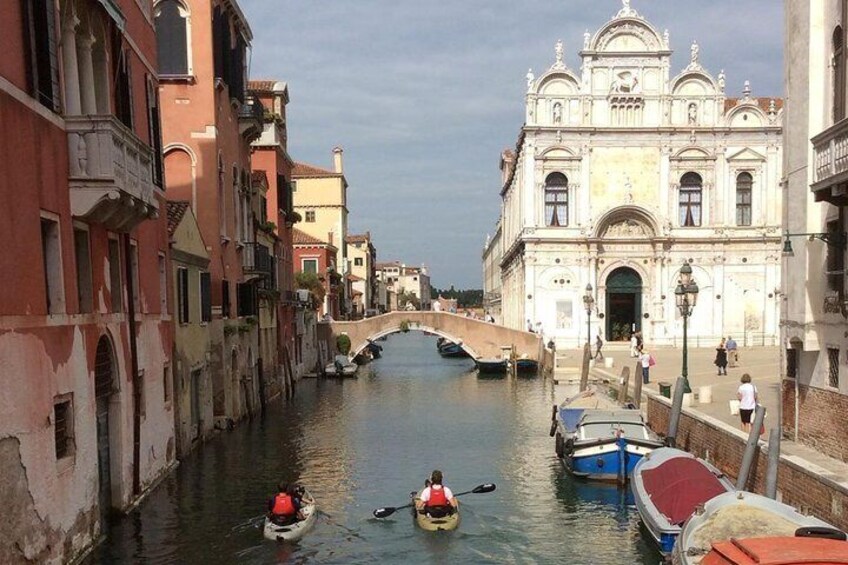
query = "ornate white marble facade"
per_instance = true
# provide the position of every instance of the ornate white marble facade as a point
(623, 171)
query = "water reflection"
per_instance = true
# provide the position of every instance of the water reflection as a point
(365, 443)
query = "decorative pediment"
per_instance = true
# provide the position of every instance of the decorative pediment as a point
(626, 229)
(747, 154)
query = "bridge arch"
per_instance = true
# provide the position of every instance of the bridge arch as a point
(356, 349)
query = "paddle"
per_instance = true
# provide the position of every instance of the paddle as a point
(479, 489)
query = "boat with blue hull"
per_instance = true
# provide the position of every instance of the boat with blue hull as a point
(525, 366)
(602, 445)
(668, 486)
(450, 349)
(491, 366)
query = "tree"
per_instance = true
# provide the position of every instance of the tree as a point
(406, 297)
(465, 298)
(313, 283)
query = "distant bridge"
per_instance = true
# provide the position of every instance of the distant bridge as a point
(479, 339)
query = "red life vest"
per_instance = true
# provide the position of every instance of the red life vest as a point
(437, 497)
(283, 505)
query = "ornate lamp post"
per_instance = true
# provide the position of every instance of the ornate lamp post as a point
(589, 304)
(686, 295)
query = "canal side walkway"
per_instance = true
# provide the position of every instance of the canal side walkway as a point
(762, 363)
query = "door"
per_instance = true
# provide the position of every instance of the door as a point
(195, 403)
(623, 304)
(103, 391)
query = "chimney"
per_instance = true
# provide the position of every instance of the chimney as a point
(338, 162)
(330, 237)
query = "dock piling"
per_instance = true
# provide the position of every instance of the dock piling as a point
(773, 463)
(624, 382)
(676, 409)
(751, 447)
(637, 386)
(584, 370)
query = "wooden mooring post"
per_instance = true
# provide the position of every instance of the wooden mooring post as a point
(624, 383)
(637, 386)
(751, 447)
(676, 409)
(584, 371)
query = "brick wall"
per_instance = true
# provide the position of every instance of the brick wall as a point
(822, 418)
(724, 447)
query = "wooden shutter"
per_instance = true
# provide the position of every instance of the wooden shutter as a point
(154, 130)
(205, 297)
(39, 20)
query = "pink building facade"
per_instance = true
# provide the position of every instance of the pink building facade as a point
(86, 422)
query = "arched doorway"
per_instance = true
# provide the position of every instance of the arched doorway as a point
(624, 304)
(104, 388)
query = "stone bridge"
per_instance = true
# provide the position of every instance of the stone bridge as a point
(479, 339)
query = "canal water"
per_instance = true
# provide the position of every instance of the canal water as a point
(364, 443)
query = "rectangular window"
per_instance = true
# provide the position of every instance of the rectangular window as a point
(310, 215)
(205, 297)
(52, 260)
(41, 51)
(116, 290)
(63, 427)
(166, 383)
(792, 363)
(556, 208)
(246, 299)
(690, 206)
(163, 285)
(83, 257)
(835, 258)
(225, 298)
(744, 190)
(310, 265)
(123, 82)
(833, 367)
(182, 295)
(357, 262)
(136, 292)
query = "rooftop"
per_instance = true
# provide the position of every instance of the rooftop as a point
(176, 211)
(304, 170)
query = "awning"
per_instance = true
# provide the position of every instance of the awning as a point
(115, 13)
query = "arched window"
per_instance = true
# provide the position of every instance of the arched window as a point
(556, 200)
(838, 74)
(744, 188)
(172, 37)
(690, 200)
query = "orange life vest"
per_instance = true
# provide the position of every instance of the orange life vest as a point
(437, 497)
(284, 505)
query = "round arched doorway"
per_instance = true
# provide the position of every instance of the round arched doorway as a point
(624, 304)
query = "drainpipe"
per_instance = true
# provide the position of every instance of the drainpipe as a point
(136, 389)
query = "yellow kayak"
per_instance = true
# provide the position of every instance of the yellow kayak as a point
(432, 523)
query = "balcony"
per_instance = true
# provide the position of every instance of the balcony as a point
(110, 173)
(257, 260)
(830, 151)
(251, 119)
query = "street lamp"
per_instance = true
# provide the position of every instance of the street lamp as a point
(589, 304)
(686, 295)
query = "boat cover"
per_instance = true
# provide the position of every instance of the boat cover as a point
(570, 417)
(680, 484)
(778, 551)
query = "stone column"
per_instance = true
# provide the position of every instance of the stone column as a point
(73, 105)
(85, 66)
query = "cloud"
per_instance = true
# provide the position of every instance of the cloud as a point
(424, 96)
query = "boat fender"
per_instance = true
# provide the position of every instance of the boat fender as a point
(559, 445)
(554, 413)
(821, 532)
(569, 446)
(553, 429)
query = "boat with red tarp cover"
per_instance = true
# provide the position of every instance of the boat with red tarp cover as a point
(778, 551)
(668, 484)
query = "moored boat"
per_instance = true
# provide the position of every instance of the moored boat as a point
(599, 444)
(293, 531)
(740, 515)
(668, 485)
(340, 367)
(491, 366)
(450, 349)
(524, 365)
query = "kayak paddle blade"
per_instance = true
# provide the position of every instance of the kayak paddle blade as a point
(484, 488)
(384, 512)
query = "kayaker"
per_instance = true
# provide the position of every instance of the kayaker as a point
(284, 507)
(436, 499)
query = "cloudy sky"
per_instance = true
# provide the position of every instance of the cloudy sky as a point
(425, 94)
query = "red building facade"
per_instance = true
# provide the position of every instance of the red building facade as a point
(85, 337)
(311, 255)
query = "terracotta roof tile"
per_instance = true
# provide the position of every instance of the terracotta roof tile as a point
(304, 170)
(354, 278)
(262, 85)
(176, 211)
(763, 103)
(358, 238)
(301, 238)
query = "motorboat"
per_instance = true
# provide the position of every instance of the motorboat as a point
(295, 530)
(526, 365)
(491, 366)
(451, 349)
(668, 485)
(805, 548)
(341, 367)
(601, 444)
(743, 515)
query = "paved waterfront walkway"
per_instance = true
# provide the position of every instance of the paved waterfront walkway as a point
(762, 363)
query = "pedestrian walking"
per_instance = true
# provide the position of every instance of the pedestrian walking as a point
(634, 345)
(721, 358)
(748, 397)
(599, 343)
(640, 343)
(732, 352)
(530, 326)
(646, 360)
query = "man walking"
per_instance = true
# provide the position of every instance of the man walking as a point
(732, 352)
(599, 343)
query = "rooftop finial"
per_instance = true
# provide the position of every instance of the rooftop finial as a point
(747, 89)
(695, 52)
(626, 10)
(559, 49)
(530, 78)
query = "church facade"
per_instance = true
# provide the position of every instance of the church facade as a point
(623, 171)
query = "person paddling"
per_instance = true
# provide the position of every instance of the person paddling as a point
(436, 499)
(284, 507)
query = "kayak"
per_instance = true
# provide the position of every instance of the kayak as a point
(295, 531)
(434, 524)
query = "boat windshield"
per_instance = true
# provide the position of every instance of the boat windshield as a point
(609, 429)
